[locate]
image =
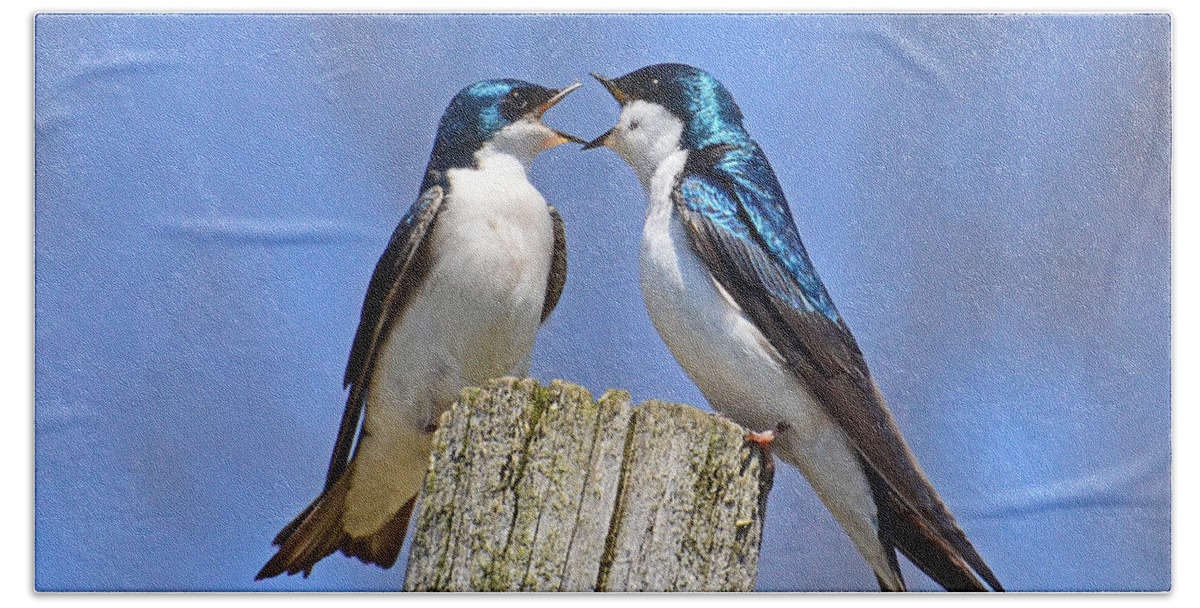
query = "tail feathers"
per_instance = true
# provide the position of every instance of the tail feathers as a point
(290, 529)
(318, 532)
(932, 555)
(885, 586)
(312, 535)
(930, 538)
(945, 554)
(383, 546)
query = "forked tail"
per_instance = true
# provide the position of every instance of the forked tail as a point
(318, 532)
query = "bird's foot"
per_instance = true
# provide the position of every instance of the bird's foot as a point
(764, 438)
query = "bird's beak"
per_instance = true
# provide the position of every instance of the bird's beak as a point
(557, 97)
(608, 83)
(559, 136)
(562, 137)
(599, 142)
(621, 98)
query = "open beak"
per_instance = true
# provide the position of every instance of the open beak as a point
(599, 142)
(567, 138)
(555, 98)
(621, 98)
(608, 83)
(560, 137)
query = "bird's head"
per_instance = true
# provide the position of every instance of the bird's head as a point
(668, 107)
(505, 114)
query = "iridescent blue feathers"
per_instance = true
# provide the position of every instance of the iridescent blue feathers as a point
(474, 115)
(730, 182)
(738, 191)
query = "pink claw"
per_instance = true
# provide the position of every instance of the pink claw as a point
(762, 438)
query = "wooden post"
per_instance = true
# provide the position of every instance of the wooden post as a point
(535, 488)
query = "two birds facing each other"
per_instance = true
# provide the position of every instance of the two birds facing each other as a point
(479, 261)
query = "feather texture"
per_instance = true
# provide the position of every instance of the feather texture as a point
(401, 267)
(739, 225)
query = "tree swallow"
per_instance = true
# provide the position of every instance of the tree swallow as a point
(471, 272)
(732, 292)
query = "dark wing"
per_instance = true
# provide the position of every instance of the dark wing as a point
(739, 225)
(558, 265)
(399, 271)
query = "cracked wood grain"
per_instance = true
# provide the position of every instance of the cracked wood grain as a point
(535, 488)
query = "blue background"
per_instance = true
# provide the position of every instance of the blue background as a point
(986, 197)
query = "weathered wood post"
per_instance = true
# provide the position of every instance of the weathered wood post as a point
(535, 488)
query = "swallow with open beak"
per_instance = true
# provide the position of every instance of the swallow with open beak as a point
(735, 297)
(470, 273)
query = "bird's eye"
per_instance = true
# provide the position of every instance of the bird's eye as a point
(634, 125)
(514, 105)
(516, 100)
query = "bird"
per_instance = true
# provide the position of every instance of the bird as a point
(732, 292)
(469, 274)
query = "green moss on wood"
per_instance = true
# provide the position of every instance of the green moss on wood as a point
(545, 489)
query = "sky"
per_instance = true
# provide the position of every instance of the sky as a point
(986, 197)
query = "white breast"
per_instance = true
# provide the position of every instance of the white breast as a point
(737, 369)
(476, 314)
(474, 317)
(721, 350)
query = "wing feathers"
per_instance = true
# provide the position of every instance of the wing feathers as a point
(791, 308)
(558, 265)
(399, 271)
